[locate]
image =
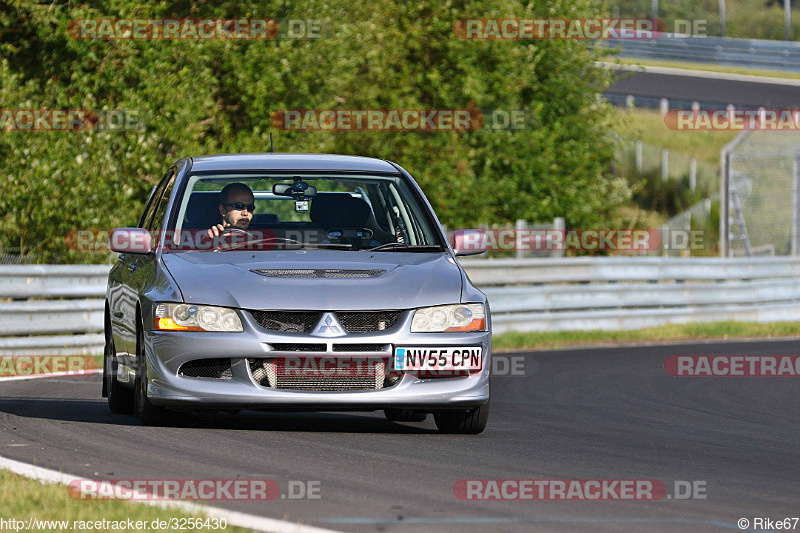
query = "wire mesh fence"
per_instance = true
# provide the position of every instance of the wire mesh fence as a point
(760, 185)
(10, 256)
(669, 181)
(642, 159)
(696, 223)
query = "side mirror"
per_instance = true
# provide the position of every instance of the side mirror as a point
(469, 241)
(130, 241)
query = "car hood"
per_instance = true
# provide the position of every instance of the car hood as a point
(226, 278)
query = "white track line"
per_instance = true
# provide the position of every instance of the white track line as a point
(257, 523)
(53, 375)
(701, 74)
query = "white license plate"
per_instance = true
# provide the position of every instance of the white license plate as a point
(439, 358)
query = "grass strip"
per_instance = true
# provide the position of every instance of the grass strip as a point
(24, 498)
(516, 340)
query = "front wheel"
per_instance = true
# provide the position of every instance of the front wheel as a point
(120, 399)
(149, 414)
(463, 422)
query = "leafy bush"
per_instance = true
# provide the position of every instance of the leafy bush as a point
(200, 97)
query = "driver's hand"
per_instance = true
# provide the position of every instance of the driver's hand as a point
(214, 231)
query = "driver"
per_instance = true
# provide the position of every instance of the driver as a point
(236, 205)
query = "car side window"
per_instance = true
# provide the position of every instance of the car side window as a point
(158, 217)
(147, 216)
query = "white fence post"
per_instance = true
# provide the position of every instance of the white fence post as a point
(787, 20)
(795, 201)
(519, 225)
(558, 225)
(639, 156)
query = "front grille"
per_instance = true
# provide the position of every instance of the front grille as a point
(304, 321)
(359, 347)
(286, 321)
(330, 273)
(207, 368)
(297, 347)
(308, 374)
(367, 321)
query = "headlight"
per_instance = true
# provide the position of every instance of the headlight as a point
(445, 318)
(186, 317)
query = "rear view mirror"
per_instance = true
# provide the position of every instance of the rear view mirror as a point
(299, 190)
(281, 189)
(469, 242)
(130, 241)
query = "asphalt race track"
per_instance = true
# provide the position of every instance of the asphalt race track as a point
(706, 90)
(610, 413)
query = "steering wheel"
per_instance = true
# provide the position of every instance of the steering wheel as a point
(234, 229)
(230, 236)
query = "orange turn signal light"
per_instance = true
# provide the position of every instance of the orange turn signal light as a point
(477, 324)
(167, 324)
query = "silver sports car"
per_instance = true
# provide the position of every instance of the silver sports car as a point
(294, 282)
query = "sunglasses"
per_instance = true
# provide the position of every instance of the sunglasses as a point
(239, 206)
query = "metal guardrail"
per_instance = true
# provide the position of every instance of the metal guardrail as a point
(52, 309)
(58, 309)
(761, 53)
(618, 269)
(614, 293)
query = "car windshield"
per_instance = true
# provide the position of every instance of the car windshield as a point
(308, 210)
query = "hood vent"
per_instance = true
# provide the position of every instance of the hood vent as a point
(332, 273)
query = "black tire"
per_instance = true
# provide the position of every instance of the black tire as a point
(149, 414)
(404, 415)
(120, 398)
(463, 422)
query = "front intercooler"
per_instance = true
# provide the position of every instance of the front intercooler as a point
(323, 373)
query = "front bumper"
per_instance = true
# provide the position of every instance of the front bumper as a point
(167, 351)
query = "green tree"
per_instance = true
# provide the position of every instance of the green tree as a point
(199, 97)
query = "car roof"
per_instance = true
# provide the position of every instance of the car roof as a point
(280, 161)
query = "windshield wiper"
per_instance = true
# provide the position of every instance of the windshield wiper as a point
(280, 240)
(399, 246)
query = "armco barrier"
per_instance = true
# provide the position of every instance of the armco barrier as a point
(756, 53)
(614, 293)
(52, 309)
(58, 309)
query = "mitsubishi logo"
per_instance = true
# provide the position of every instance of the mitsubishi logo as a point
(328, 326)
